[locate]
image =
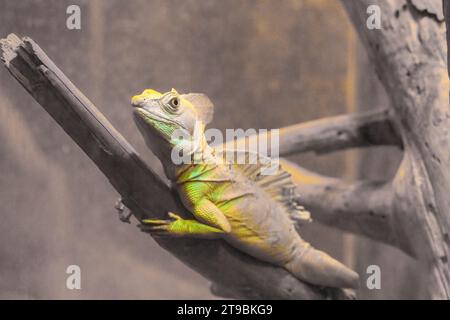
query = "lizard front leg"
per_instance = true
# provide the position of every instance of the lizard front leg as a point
(179, 227)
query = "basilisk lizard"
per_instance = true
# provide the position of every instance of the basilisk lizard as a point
(254, 213)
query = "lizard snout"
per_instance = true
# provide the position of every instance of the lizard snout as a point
(137, 100)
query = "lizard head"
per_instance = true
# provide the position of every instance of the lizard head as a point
(161, 117)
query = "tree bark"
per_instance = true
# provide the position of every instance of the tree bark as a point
(408, 54)
(358, 130)
(363, 207)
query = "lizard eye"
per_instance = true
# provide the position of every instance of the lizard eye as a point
(173, 104)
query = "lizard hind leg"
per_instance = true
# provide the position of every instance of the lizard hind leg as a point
(176, 226)
(317, 267)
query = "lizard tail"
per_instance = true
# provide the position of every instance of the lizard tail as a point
(317, 267)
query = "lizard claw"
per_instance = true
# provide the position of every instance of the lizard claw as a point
(120, 207)
(155, 227)
(158, 227)
(174, 216)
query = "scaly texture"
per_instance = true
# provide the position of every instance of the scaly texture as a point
(237, 201)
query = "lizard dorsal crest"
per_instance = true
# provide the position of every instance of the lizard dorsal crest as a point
(202, 104)
(278, 185)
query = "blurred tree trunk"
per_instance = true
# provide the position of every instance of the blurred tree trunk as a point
(408, 53)
(401, 275)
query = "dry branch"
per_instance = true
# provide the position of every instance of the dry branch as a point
(361, 207)
(240, 275)
(358, 130)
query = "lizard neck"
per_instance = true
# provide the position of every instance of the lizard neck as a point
(201, 154)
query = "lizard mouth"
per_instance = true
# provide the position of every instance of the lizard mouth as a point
(145, 114)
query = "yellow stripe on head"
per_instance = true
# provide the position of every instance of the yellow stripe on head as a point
(146, 94)
(150, 93)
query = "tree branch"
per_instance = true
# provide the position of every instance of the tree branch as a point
(363, 129)
(242, 275)
(358, 130)
(361, 207)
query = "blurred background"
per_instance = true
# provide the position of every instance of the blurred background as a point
(265, 64)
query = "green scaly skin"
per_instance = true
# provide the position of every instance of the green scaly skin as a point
(224, 202)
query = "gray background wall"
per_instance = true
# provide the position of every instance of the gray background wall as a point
(265, 64)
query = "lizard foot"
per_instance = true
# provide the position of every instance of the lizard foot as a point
(163, 227)
(120, 207)
(176, 226)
